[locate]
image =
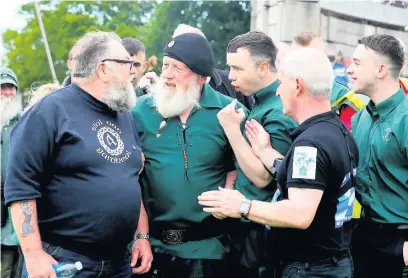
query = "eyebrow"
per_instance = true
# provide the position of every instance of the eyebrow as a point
(234, 67)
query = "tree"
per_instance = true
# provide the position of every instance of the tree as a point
(150, 21)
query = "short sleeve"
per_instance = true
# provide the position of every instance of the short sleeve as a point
(279, 127)
(308, 166)
(30, 158)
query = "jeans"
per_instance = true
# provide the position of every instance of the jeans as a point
(330, 268)
(117, 268)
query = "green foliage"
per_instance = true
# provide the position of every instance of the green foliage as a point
(150, 21)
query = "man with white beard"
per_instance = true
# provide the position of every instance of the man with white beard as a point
(73, 171)
(187, 153)
(10, 108)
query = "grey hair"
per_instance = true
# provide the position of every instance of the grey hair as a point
(92, 49)
(187, 29)
(314, 67)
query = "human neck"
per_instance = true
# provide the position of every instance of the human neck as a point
(315, 106)
(383, 91)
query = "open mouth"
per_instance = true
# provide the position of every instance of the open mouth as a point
(170, 85)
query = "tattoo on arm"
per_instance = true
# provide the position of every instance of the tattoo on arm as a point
(27, 210)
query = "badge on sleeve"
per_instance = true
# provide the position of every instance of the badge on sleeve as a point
(304, 163)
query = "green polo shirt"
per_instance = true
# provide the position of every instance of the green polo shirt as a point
(381, 132)
(180, 165)
(139, 92)
(267, 111)
(338, 91)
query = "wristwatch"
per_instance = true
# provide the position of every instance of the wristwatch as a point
(244, 207)
(141, 236)
(275, 167)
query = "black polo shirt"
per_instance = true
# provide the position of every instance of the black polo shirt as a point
(318, 159)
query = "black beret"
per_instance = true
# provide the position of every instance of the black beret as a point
(194, 51)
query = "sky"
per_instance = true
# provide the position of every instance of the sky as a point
(10, 19)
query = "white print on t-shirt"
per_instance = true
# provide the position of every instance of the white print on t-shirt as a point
(108, 135)
(304, 163)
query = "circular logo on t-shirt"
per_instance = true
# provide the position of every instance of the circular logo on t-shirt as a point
(110, 141)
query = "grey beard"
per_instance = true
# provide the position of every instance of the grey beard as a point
(9, 108)
(120, 98)
(173, 104)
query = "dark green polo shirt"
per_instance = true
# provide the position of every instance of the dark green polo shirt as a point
(381, 132)
(5, 142)
(8, 235)
(139, 92)
(338, 91)
(267, 110)
(180, 165)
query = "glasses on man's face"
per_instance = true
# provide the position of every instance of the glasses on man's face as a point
(120, 62)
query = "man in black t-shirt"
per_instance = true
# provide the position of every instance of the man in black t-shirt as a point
(73, 171)
(311, 209)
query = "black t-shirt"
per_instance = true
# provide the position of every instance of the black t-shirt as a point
(80, 161)
(318, 159)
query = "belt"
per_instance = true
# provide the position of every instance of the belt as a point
(179, 236)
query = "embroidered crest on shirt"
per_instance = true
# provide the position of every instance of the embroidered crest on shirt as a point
(304, 163)
(109, 137)
(386, 136)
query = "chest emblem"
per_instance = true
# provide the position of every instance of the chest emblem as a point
(386, 136)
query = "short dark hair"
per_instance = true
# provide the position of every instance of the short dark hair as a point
(133, 46)
(259, 45)
(389, 47)
(305, 38)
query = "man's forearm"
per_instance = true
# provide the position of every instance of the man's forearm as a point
(250, 164)
(143, 225)
(25, 222)
(230, 180)
(280, 214)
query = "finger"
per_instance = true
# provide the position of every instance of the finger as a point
(233, 104)
(251, 136)
(250, 126)
(209, 203)
(209, 198)
(135, 256)
(212, 192)
(142, 268)
(149, 267)
(257, 126)
(54, 262)
(222, 189)
(241, 112)
(212, 210)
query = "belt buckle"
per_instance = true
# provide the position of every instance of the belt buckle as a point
(173, 236)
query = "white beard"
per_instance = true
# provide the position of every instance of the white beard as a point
(170, 104)
(10, 106)
(121, 97)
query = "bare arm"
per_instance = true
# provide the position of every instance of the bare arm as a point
(143, 225)
(250, 164)
(230, 180)
(296, 212)
(24, 215)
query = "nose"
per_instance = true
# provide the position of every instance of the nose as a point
(167, 73)
(350, 69)
(231, 76)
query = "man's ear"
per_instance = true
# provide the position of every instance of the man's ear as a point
(300, 85)
(263, 69)
(382, 71)
(102, 72)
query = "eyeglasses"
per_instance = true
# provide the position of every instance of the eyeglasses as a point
(120, 62)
